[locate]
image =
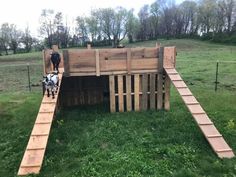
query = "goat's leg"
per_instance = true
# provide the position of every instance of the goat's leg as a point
(57, 85)
(53, 94)
(48, 94)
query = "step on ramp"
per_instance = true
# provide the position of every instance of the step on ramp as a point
(35, 150)
(207, 127)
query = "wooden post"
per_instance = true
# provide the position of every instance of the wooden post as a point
(152, 91)
(144, 91)
(136, 92)
(167, 92)
(129, 60)
(160, 79)
(128, 93)
(97, 63)
(120, 93)
(66, 62)
(112, 93)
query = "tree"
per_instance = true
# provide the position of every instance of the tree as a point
(106, 17)
(93, 25)
(190, 13)
(228, 7)
(132, 26)
(47, 27)
(27, 39)
(207, 10)
(155, 13)
(5, 37)
(119, 27)
(82, 29)
(144, 22)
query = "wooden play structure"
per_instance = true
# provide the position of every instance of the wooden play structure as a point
(134, 78)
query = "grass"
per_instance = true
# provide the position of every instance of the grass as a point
(89, 141)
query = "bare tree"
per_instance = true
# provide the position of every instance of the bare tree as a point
(47, 27)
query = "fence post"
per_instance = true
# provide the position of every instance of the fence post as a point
(217, 72)
(29, 82)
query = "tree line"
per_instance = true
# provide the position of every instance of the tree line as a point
(205, 19)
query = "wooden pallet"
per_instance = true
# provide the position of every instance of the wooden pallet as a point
(207, 127)
(138, 92)
(35, 150)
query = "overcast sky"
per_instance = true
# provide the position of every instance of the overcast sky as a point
(27, 12)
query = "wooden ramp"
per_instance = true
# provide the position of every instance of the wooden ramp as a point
(35, 150)
(212, 135)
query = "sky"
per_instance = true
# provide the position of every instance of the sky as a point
(27, 12)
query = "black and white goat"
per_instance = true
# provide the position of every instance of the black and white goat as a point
(51, 82)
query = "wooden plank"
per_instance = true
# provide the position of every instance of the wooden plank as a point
(189, 100)
(195, 109)
(112, 93)
(179, 84)
(169, 57)
(144, 64)
(37, 142)
(120, 92)
(212, 135)
(33, 158)
(129, 61)
(66, 62)
(167, 93)
(44, 62)
(82, 60)
(128, 93)
(152, 91)
(34, 153)
(139, 52)
(24, 171)
(97, 63)
(41, 129)
(144, 91)
(160, 80)
(47, 108)
(113, 54)
(136, 92)
(202, 119)
(175, 77)
(184, 91)
(113, 65)
(44, 118)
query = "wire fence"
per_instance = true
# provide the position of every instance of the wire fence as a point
(215, 75)
(21, 77)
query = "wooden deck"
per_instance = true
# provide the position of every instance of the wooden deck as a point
(35, 150)
(207, 127)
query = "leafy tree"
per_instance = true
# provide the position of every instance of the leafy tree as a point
(27, 39)
(5, 37)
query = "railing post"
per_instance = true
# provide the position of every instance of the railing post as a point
(217, 73)
(29, 82)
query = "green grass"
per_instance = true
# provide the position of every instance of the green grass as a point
(89, 141)
(34, 56)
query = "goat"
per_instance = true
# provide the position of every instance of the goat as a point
(55, 59)
(51, 82)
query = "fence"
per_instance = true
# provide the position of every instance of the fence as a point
(21, 77)
(213, 75)
(197, 74)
